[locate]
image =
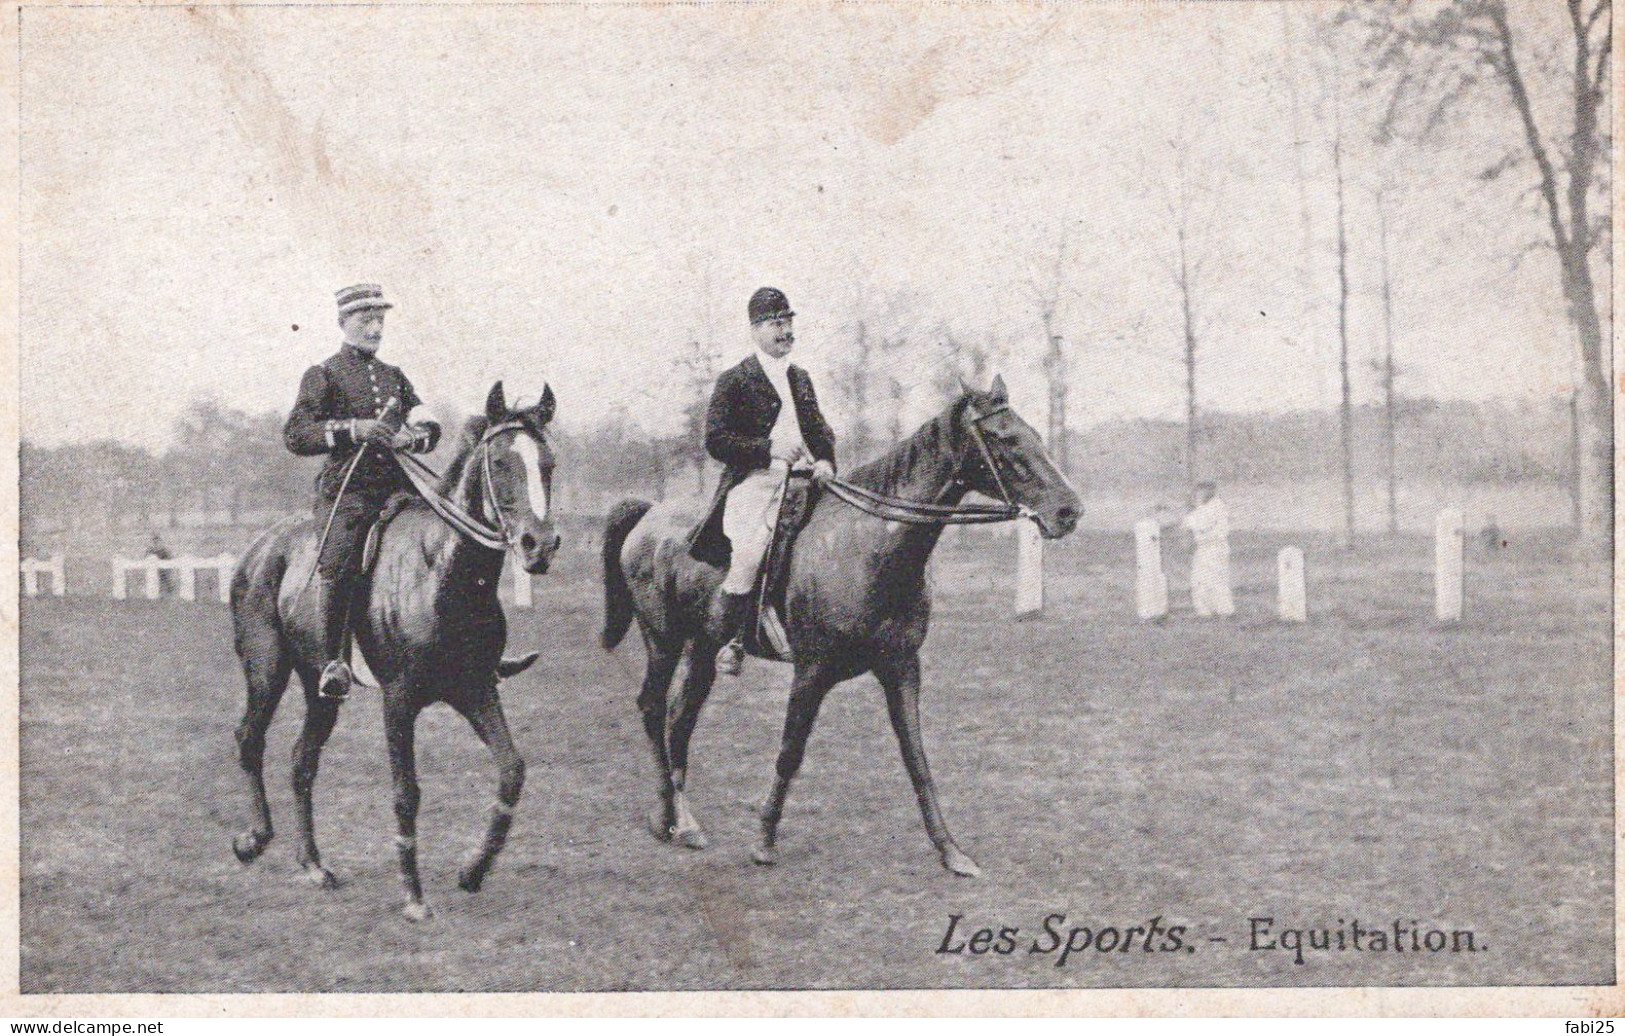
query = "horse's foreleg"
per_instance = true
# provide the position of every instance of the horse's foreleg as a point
(484, 714)
(320, 716)
(266, 670)
(806, 697)
(657, 676)
(902, 684)
(697, 683)
(400, 730)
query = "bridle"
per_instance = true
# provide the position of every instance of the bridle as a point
(493, 537)
(917, 512)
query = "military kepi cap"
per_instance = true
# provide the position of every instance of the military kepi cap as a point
(769, 304)
(360, 296)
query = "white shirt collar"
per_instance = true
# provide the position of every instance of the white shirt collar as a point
(777, 367)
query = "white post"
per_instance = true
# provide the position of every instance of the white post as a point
(120, 567)
(187, 570)
(1294, 600)
(151, 565)
(1150, 582)
(224, 566)
(30, 578)
(1029, 571)
(1448, 564)
(59, 587)
(521, 583)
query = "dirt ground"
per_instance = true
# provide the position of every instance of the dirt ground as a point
(1367, 767)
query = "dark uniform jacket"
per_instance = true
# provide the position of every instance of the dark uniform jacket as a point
(351, 384)
(738, 426)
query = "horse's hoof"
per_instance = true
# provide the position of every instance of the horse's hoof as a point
(658, 826)
(765, 855)
(417, 911)
(248, 846)
(470, 878)
(320, 876)
(960, 864)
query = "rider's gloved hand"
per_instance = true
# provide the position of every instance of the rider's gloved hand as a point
(822, 471)
(793, 455)
(366, 429)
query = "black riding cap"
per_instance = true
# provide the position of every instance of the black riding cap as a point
(769, 304)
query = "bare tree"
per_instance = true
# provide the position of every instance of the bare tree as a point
(1189, 204)
(1345, 405)
(696, 370)
(1386, 368)
(1434, 58)
(1047, 291)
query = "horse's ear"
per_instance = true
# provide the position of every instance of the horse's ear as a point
(495, 405)
(544, 409)
(964, 387)
(997, 389)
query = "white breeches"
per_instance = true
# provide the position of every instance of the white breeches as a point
(748, 519)
(1210, 581)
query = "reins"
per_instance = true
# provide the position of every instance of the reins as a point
(918, 512)
(427, 481)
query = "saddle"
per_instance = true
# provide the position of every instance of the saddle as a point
(764, 631)
(397, 503)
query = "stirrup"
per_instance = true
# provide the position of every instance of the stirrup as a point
(731, 658)
(336, 680)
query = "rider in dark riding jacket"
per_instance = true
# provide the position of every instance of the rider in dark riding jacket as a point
(353, 407)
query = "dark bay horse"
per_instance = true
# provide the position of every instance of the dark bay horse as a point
(858, 600)
(432, 631)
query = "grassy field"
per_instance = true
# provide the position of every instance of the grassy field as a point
(1368, 765)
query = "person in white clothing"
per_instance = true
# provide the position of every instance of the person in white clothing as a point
(1209, 525)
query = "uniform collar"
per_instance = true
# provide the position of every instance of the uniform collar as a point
(350, 352)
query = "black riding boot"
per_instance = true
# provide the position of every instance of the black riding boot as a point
(336, 676)
(733, 609)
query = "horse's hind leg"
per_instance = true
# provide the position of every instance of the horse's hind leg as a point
(697, 683)
(320, 716)
(266, 669)
(400, 729)
(902, 684)
(662, 665)
(484, 714)
(806, 698)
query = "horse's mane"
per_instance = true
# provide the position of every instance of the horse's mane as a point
(931, 440)
(473, 430)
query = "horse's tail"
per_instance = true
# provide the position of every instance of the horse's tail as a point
(617, 595)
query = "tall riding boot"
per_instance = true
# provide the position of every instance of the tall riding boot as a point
(336, 676)
(734, 609)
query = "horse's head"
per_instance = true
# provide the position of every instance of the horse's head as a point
(1002, 457)
(517, 464)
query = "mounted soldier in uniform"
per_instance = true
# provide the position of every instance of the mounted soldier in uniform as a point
(749, 429)
(353, 407)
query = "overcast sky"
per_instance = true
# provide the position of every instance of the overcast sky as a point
(570, 193)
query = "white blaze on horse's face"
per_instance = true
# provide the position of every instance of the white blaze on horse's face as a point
(530, 460)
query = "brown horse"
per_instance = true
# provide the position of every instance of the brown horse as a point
(432, 631)
(857, 599)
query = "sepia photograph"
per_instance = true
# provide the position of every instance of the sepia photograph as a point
(605, 498)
